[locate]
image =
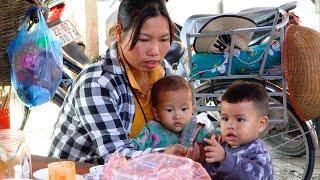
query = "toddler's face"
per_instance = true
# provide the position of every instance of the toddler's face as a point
(240, 123)
(174, 109)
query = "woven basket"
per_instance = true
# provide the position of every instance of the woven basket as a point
(301, 53)
(12, 13)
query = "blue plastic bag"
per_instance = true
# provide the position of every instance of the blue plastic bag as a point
(36, 61)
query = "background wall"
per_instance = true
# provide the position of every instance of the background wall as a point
(83, 14)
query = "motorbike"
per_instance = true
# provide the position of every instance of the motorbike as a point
(287, 136)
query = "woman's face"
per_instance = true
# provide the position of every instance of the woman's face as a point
(151, 47)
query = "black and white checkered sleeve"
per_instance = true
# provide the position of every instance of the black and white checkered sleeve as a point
(98, 109)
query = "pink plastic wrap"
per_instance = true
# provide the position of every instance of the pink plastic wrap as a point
(153, 166)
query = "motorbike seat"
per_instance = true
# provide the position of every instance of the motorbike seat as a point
(175, 52)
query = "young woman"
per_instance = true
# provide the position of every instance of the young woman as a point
(109, 102)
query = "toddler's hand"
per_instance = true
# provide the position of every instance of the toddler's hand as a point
(194, 152)
(214, 152)
(176, 149)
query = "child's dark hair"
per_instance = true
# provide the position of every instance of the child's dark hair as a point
(168, 83)
(133, 13)
(242, 91)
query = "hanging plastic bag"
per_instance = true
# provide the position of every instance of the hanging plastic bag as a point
(36, 60)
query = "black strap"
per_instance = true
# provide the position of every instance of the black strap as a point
(144, 115)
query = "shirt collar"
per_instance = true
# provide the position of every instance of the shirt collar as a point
(112, 63)
(154, 75)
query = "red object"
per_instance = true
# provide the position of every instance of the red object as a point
(55, 12)
(4, 118)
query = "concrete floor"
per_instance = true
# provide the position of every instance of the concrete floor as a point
(39, 126)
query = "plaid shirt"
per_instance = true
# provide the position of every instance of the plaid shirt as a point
(97, 114)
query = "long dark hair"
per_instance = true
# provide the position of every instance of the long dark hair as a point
(133, 13)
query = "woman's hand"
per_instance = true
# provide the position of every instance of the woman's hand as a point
(214, 150)
(176, 149)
